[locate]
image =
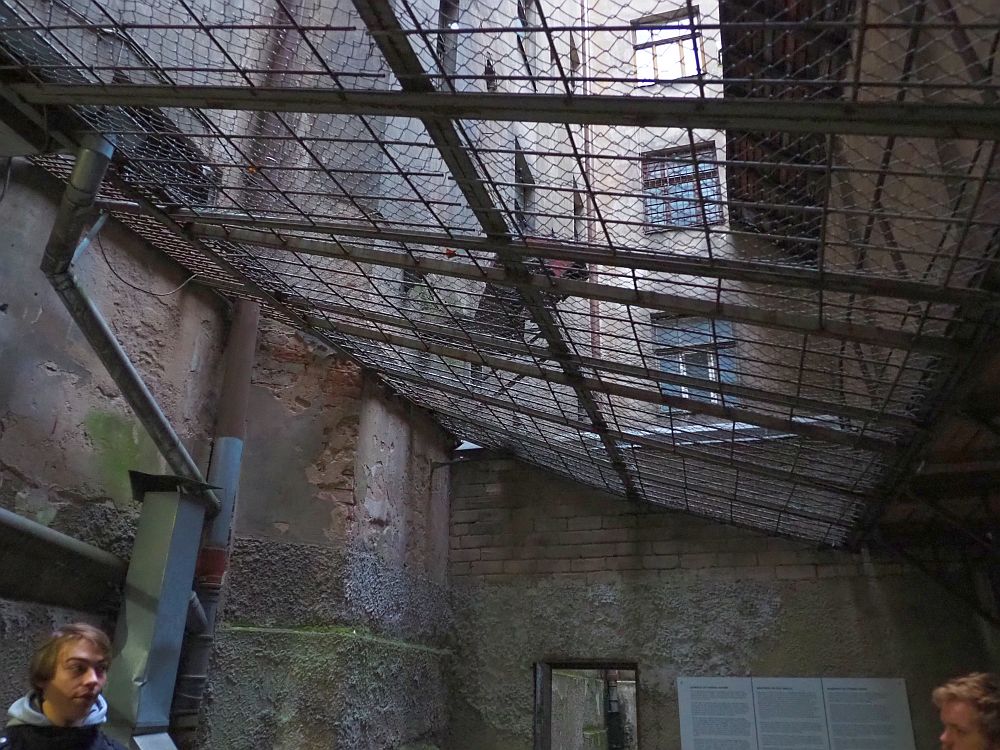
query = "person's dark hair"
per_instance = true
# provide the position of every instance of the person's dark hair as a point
(43, 662)
(982, 691)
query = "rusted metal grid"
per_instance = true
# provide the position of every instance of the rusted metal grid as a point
(721, 258)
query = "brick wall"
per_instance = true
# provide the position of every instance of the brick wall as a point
(543, 569)
(509, 520)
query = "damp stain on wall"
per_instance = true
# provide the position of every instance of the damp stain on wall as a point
(120, 445)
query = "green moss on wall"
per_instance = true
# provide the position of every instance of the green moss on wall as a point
(120, 445)
(352, 632)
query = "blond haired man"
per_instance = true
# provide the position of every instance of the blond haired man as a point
(970, 712)
(64, 708)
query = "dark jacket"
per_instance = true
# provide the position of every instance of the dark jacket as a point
(29, 729)
(27, 737)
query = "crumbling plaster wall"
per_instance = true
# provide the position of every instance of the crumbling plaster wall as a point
(336, 614)
(544, 569)
(334, 631)
(67, 438)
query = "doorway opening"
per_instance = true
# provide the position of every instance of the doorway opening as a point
(585, 705)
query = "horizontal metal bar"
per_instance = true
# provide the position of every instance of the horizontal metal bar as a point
(497, 344)
(701, 267)
(44, 566)
(728, 462)
(902, 119)
(676, 303)
(728, 413)
(746, 502)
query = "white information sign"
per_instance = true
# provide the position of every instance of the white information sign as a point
(789, 713)
(716, 713)
(868, 714)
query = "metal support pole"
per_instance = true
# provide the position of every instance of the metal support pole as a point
(43, 566)
(155, 608)
(224, 472)
(77, 204)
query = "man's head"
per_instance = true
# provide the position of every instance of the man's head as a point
(69, 671)
(970, 712)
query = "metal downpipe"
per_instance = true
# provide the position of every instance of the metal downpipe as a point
(75, 210)
(213, 559)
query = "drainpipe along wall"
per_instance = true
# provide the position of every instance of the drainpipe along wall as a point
(75, 211)
(213, 559)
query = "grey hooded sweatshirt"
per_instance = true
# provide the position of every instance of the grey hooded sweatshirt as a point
(30, 729)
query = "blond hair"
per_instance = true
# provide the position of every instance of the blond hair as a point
(982, 691)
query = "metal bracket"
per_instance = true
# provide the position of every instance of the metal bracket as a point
(90, 236)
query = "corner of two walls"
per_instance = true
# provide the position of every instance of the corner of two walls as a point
(337, 613)
(544, 569)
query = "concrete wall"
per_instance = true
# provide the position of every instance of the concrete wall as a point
(544, 569)
(578, 721)
(336, 615)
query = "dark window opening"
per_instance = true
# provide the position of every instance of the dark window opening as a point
(525, 45)
(411, 280)
(574, 60)
(490, 74)
(524, 192)
(447, 43)
(579, 214)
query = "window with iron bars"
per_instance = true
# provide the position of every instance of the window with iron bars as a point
(681, 188)
(698, 348)
(668, 47)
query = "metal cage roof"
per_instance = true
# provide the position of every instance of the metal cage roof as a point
(728, 257)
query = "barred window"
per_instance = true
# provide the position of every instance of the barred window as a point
(681, 191)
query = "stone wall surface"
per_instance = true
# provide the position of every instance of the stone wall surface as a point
(578, 709)
(544, 569)
(334, 687)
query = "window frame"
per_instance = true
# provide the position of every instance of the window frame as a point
(697, 48)
(657, 185)
(542, 708)
(446, 46)
(718, 340)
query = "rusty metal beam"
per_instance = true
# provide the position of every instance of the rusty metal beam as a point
(667, 446)
(618, 257)
(904, 119)
(499, 345)
(580, 380)
(515, 275)
(394, 43)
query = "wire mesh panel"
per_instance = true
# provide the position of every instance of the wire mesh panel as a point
(724, 257)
